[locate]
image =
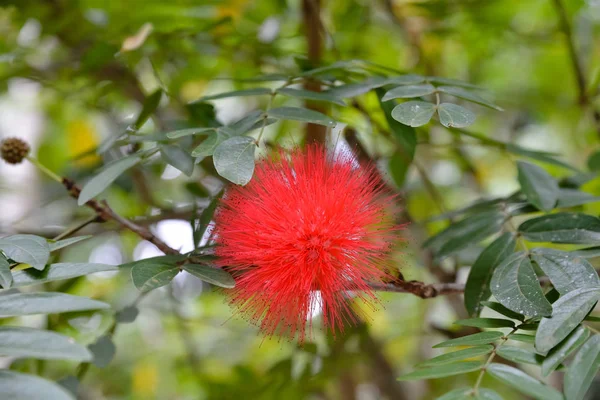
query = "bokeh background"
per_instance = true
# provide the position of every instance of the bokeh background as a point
(74, 73)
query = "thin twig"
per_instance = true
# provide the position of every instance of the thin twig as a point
(420, 289)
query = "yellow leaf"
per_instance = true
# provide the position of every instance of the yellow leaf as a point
(82, 142)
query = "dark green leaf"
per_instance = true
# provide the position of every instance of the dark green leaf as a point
(235, 93)
(127, 315)
(150, 105)
(562, 228)
(452, 82)
(413, 113)
(188, 132)
(153, 274)
(455, 116)
(588, 252)
(583, 369)
(247, 123)
(567, 313)
(55, 272)
(17, 386)
(234, 159)
(515, 285)
(103, 351)
(27, 249)
(519, 355)
(28, 342)
(216, 276)
(70, 383)
(567, 273)
(13, 305)
(6, 278)
(486, 323)
(457, 356)
(443, 371)
(467, 95)
(208, 145)
(529, 339)
(574, 197)
(405, 92)
(207, 215)
(67, 242)
(301, 114)
(593, 161)
(559, 353)
(310, 95)
(98, 183)
(472, 340)
(540, 188)
(499, 308)
(477, 287)
(537, 155)
(178, 158)
(522, 382)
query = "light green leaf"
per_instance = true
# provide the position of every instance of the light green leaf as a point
(540, 188)
(178, 158)
(477, 287)
(188, 132)
(499, 308)
(17, 386)
(310, 95)
(559, 353)
(457, 356)
(472, 340)
(566, 272)
(150, 105)
(567, 312)
(208, 145)
(442, 371)
(6, 278)
(234, 159)
(467, 394)
(235, 93)
(519, 355)
(27, 249)
(67, 242)
(583, 369)
(454, 116)
(515, 285)
(571, 228)
(302, 115)
(104, 179)
(574, 197)
(413, 113)
(467, 95)
(405, 92)
(537, 155)
(14, 305)
(103, 351)
(519, 337)
(522, 382)
(486, 323)
(216, 276)
(28, 342)
(153, 274)
(55, 272)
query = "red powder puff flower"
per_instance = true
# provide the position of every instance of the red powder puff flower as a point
(305, 223)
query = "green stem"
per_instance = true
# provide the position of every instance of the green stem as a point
(45, 170)
(262, 128)
(77, 227)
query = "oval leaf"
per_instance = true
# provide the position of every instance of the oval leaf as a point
(472, 340)
(566, 272)
(571, 228)
(515, 285)
(443, 371)
(486, 323)
(17, 386)
(540, 188)
(301, 114)
(14, 305)
(413, 113)
(519, 355)
(405, 92)
(467, 95)
(178, 158)
(458, 355)
(59, 271)
(28, 342)
(583, 369)
(103, 351)
(522, 382)
(454, 116)
(567, 313)
(558, 354)
(151, 275)
(216, 276)
(98, 183)
(234, 159)
(27, 249)
(310, 95)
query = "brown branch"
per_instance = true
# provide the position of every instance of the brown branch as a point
(420, 289)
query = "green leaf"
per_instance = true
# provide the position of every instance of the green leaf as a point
(150, 105)
(458, 356)
(567, 273)
(234, 159)
(18, 304)
(28, 342)
(522, 382)
(540, 188)
(235, 93)
(472, 340)
(207, 215)
(55, 272)
(127, 315)
(593, 161)
(188, 132)
(104, 179)
(529, 339)
(467, 394)
(499, 308)
(406, 140)
(67, 242)
(413, 113)
(559, 353)
(208, 145)
(583, 369)
(536, 155)
(567, 313)
(216, 276)
(454, 116)
(477, 287)
(571, 228)
(17, 386)
(519, 355)
(486, 323)
(587, 252)
(574, 197)
(443, 371)
(405, 92)
(356, 89)
(515, 285)
(302, 115)
(249, 122)
(467, 95)
(453, 82)
(6, 278)
(153, 274)
(310, 95)
(27, 249)
(470, 230)
(103, 351)
(178, 158)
